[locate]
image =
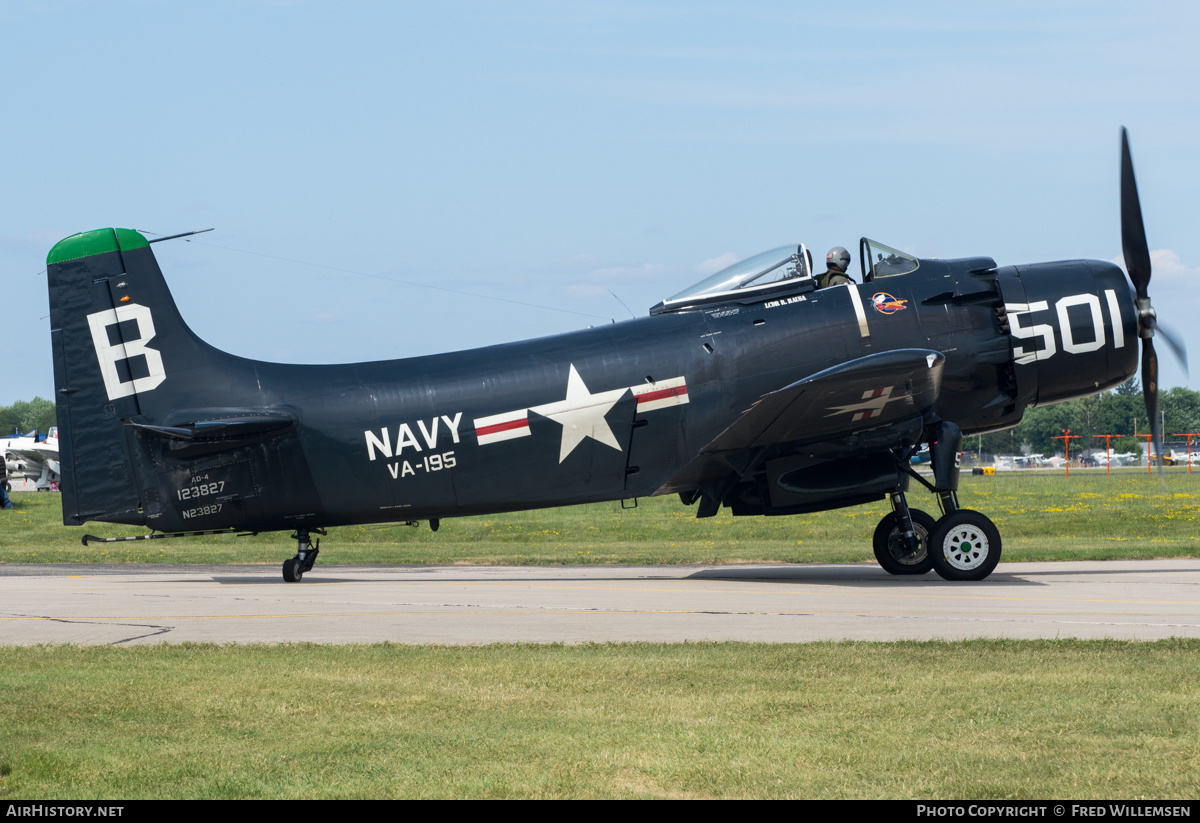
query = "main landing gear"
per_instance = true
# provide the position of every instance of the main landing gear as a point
(960, 545)
(306, 555)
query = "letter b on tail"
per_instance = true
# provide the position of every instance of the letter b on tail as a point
(116, 323)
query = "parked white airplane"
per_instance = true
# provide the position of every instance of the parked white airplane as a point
(27, 459)
(14, 443)
(18, 441)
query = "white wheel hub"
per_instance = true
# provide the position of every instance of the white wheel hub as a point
(966, 547)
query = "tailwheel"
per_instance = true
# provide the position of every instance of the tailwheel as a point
(891, 550)
(292, 572)
(306, 555)
(964, 545)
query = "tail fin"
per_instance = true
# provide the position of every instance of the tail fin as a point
(121, 352)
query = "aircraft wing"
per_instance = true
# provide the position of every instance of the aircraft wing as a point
(882, 391)
(20, 464)
(29, 463)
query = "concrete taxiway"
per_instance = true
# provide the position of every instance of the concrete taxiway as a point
(1144, 600)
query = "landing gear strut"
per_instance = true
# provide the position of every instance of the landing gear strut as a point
(306, 555)
(961, 545)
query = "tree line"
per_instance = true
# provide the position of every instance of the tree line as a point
(1120, 411)
(27, 415)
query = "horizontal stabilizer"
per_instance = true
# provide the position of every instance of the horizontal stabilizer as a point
(242, 427)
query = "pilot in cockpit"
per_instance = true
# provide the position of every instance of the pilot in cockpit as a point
(836, 262)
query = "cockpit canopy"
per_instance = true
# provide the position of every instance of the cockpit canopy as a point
(780, 272)
(785, 269)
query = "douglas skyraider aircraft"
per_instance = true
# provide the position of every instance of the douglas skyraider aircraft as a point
(753, 389)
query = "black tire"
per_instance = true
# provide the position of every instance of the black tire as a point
(7, 486)
(965, 545)
(889, 544)
(292, 573)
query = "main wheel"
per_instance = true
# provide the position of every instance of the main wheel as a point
(292, 571)
(891, 551)
(964, 545)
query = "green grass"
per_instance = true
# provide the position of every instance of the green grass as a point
(978, 719)
(1041, 515)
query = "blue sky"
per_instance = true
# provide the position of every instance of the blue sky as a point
(377, 171)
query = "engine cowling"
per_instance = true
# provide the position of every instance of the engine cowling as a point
(1073, 327)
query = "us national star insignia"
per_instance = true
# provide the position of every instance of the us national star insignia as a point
(581, 414)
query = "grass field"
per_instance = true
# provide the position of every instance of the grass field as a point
(981, 719)
(1041, 515)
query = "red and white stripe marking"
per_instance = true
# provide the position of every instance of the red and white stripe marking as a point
(506, 426)
(651, 396)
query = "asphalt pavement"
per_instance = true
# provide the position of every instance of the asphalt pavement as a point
(107, 604)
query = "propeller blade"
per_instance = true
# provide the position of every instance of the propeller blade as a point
(1150, 395)
(1137, 263)
(1133, 231)
(1174, 342)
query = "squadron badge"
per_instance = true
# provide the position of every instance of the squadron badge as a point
(884, 303)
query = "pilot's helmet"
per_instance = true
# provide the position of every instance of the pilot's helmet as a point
(837, 258)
